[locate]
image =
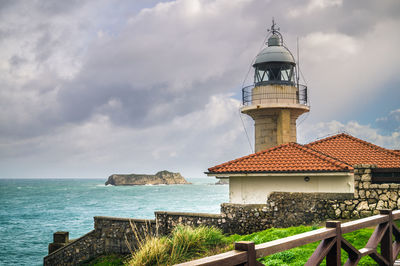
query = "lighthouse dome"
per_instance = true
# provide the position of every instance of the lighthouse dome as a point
(274, 52)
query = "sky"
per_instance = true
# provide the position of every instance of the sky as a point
(93, 88)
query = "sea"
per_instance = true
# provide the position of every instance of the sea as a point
(31, 210)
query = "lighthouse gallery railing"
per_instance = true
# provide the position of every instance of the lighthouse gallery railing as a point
(249, 97)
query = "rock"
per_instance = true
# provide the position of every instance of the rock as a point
(366, 178)
(355, 214)
(392, 205)
(363, 205)
(337, 213)
(373, 195)
(162, 177)
(364, 214)
(380, 205)
(346, 215)
(383, 197)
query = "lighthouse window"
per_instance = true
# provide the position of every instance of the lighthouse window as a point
(285, 74)
(274, 73)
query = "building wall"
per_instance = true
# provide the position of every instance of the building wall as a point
(256, 189)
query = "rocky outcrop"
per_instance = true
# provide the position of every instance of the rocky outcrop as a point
(162, 177)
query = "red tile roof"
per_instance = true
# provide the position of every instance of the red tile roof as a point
(396, 151)
(356, 151)
(291, 157)
(332, 154)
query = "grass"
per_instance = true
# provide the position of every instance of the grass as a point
(183, 244)
(300, 255)
(186, 243)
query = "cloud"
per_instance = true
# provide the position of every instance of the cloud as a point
(195, 141)
(345, 68)
(314, 5)
(365, 132)
(389, 123)
(95, 87)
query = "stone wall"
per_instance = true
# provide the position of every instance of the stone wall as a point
(109, 236)
(79, 250)
(166, 221)
(368, 198)
(293, 209)
(113, 232)
(245, 218)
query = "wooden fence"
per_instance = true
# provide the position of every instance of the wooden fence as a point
(332, 242)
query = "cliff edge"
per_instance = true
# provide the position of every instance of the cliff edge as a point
(162, 177)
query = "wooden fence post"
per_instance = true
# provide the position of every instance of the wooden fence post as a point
(333, 258)
(251, 252)
(329, 248)
(387, 239)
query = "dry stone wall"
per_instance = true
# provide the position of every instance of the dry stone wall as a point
(293, 209)
(79, 250)
(368, 198)
(113, 232)
(108, 237)
(245, 218)
(166, 221)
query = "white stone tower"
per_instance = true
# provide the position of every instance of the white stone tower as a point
(276, 99)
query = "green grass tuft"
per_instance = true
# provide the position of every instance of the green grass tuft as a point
(184, 243)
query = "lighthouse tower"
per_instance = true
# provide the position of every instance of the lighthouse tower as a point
(276, 99)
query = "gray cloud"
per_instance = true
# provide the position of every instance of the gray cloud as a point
(78, 72)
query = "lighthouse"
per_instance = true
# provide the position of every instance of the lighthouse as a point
(276, 99)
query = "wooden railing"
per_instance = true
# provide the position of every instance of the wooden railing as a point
(332, 242)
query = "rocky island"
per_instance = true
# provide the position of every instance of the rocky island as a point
(162, 177)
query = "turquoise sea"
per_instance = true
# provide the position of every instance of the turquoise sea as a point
(32, 209)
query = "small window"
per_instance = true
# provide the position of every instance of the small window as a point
(385, 175)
